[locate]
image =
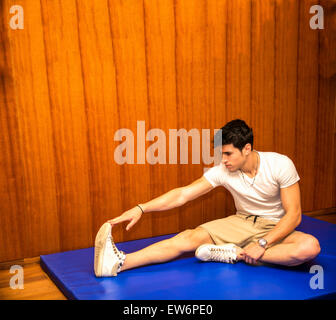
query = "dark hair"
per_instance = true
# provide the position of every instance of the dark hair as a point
(236, 132)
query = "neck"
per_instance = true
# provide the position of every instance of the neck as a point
(251, 164)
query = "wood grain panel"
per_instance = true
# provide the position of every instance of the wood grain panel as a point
(238, 68)
(263, 73)
(41, 224)
(11, 184)
(326, 116)
(192, 65)
(101, 106)
(214, 204)
(159, 25)
(128, 38)
(307, 105)
(69, 121)
(285, 86)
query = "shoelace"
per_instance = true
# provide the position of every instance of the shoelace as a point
(223, 254)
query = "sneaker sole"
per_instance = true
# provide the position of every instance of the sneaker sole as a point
(100, 243)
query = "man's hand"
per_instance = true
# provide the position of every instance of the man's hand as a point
(133, 215)
(252, 253)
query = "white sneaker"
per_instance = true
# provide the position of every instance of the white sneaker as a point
(108, 260)
(221, 253)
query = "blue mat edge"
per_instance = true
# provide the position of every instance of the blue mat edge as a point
(67, 293)
(327, 296)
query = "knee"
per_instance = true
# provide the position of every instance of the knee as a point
(307, 249)
(187, 240)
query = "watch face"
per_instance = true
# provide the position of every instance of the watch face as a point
(262, 242)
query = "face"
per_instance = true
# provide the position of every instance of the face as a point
(233, 158)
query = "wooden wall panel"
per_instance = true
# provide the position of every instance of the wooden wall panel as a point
(214, 204)
(40, 229)
(81, 70)
(307, 105)
(192, 76)
(11, 183)
(69, 122)
(101, 107)
(285, 76)
(129, 49)
(238, 68)
(238, 64)
(159, 25)
(263, 73)
(326, 117)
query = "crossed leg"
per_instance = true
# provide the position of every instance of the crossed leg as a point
(295, 249)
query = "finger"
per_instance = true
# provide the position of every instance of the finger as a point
(117, 220)
(113, 221)
(130, 225)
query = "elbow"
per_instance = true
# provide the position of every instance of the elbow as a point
(182, 198)
(298, 219)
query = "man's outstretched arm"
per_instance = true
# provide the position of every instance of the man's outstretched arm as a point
(169, 200)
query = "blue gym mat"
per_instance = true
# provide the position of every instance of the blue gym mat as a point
(190, 279)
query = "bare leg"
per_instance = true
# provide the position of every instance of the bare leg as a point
(166, 250)
(294, 250)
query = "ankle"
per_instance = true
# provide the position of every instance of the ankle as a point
(123, 267)
(122, 262)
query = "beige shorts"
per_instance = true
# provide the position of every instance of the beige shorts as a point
(238, 229)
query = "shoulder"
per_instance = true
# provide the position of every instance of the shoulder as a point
(277, 163)
(216, 175)
(275, 158)
(217, 169)
(281, 168)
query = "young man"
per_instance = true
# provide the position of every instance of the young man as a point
(266, 192)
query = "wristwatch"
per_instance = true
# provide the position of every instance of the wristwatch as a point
(262, 243)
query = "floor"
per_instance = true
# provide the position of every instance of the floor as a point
(38, 286)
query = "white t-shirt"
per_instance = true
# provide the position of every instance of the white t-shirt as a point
(263, 198)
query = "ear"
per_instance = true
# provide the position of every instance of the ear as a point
(247, 149)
